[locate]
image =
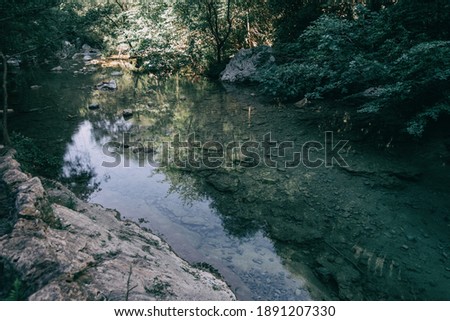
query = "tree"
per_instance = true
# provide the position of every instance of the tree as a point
(214, 18)
(27, 25)
(252, 24)
(220, 30)
(292, 17)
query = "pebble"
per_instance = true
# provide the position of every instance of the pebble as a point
(405, 247)
(411, 238)
(268, 180)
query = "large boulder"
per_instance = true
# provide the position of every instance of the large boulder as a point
(246, 64)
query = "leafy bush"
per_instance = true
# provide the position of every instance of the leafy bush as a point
(290, 80)
(17, 291)
(422, 76)
(32, 159)
(337, 58)
(416, 126)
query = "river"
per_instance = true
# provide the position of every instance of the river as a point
(276, 227)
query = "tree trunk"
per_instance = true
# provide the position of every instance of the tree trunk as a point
(249, 41)
(6, 139)
(219, 53)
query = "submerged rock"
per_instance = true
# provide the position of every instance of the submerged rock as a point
(57, 69)
(86, 47)
(94, 106)
(302, 103)
(224, 182)
(107, 85)
(87, 53)
(245, 64)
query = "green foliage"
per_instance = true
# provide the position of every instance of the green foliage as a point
(293, 17)
(32, 159)
(48, 215)
(159, 289)
(428, 19)
(208, 268)
(416, 126)
(17, 292)
(34, 30)
(290, 80)
(217, 29)
(395, 73)
(153, 33)
(324, 49)
(25, 24)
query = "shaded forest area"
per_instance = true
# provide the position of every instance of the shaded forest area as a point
(389, 59)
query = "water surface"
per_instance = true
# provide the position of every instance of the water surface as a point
(274, 233)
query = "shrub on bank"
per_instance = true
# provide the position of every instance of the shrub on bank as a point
(393, 71)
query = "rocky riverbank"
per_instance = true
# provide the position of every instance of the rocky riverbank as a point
(61, 248)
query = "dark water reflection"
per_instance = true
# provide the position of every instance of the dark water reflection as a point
(163, 199)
